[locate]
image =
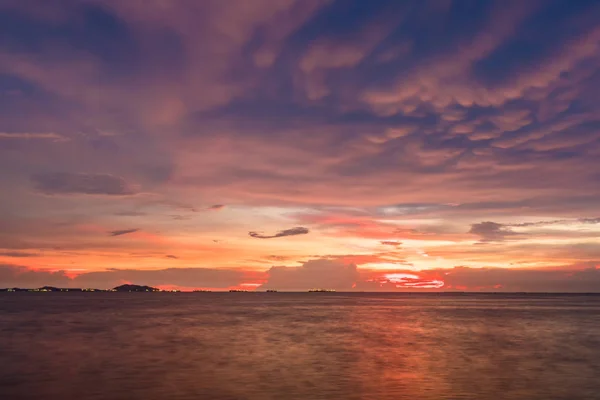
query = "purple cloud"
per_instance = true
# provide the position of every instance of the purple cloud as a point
(79, 183)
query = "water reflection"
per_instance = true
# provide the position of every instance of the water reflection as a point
(298, 346)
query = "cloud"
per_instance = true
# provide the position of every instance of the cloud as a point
(287, 232)
(171, 256)
(18, 254)
(122, 232)
(131, 214)
(277, 258)
(29, 135)
(393, 243)
(557, 222)
(19, 276)
(170, 96)
(495, 232)
(577, 278)
(490, 231)
(182, 277)
(325, 274)
(216, 207)
(79, 183)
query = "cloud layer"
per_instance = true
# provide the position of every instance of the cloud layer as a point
(469, 132)
(324, 274)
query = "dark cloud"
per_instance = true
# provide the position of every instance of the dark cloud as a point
(122, 232)
(495, 232)
(19, 276)
(131, 214)
(287, 232)
(79, 183)
(578, 278)
(557, 222)
(391, 243)
(185, 277)
(327, 274)
(171, 256)
(216, 207)
(18, 254)
(324, 274)
(490, 231)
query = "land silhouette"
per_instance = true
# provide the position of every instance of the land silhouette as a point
(121, 288)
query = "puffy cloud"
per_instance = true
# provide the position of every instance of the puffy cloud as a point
(490, 231)
(79, 183)
(299, 230)
(326, 274)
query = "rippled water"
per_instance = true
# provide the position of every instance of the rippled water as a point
(298, 346)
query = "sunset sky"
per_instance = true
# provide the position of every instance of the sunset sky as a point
(292, 144)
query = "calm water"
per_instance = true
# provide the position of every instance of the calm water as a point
(298, 346)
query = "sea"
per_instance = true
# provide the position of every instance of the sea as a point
(234, 346)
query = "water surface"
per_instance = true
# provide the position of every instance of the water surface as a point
(227, 346)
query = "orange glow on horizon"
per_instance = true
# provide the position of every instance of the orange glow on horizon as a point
(405, 280)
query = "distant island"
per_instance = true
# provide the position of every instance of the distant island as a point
(121, 288)
(135, 288)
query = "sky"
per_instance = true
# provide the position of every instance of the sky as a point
(295, 144)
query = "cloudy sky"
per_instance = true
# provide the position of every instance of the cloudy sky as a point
(290, 144)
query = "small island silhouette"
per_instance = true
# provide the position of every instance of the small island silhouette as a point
(121, 288)
(135, 288)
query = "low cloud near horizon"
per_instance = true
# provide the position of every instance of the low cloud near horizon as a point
(326, 274)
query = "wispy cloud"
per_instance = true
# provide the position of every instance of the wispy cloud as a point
(287, 232)
(79, 183)
(122, 232)
(32, 135)
(18, 254)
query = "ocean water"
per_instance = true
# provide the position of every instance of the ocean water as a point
(227, 346)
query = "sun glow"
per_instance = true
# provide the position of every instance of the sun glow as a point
(404, 280)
